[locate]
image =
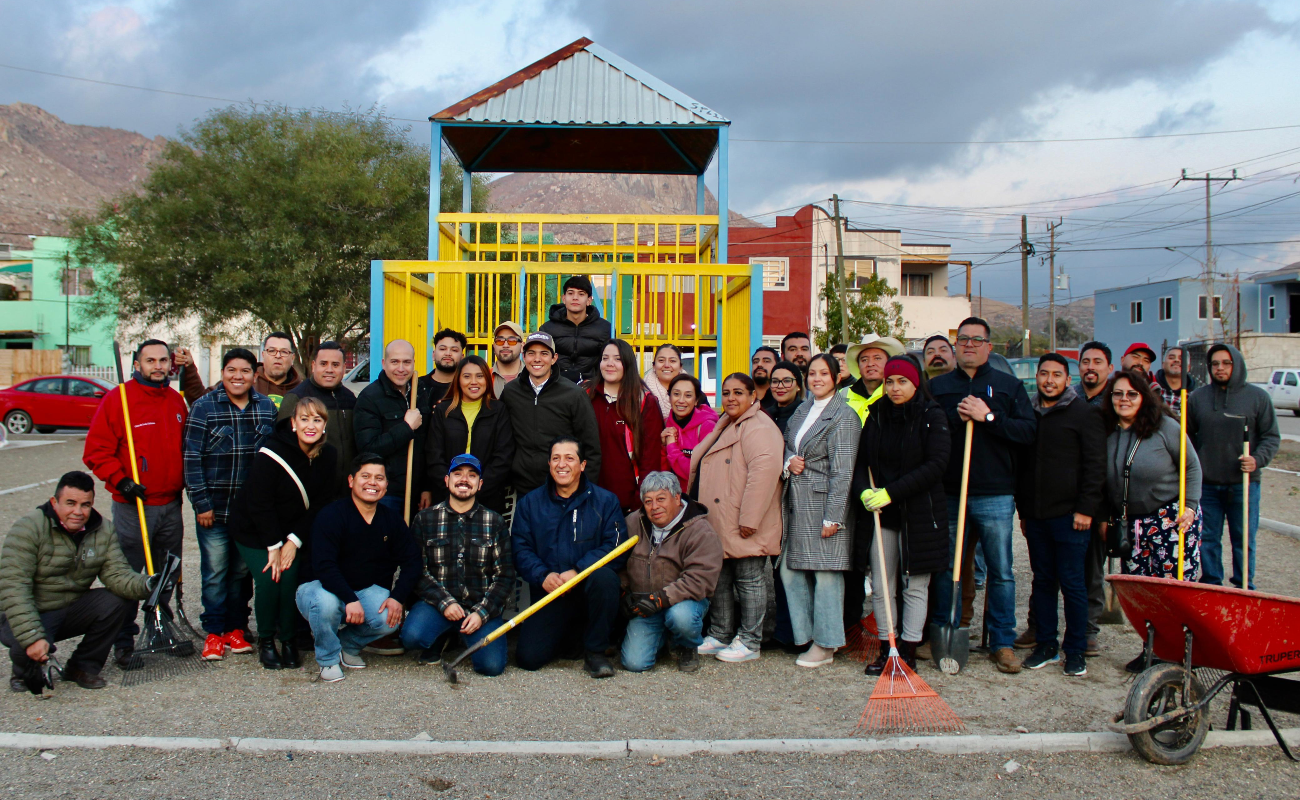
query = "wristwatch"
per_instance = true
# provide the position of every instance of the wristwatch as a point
(988, 417)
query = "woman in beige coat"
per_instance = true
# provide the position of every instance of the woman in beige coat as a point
(736, 474)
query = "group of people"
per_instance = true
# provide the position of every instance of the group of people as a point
(414, 515)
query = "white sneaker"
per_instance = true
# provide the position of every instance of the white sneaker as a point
(710, 647)
(331, 674)
(737, 652)
(352, 662)
(817, 656)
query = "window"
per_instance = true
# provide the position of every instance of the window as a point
(82, 388)
(776, 273)
(76, 282)
(1166, 310)
(916, 284)
(859, 271)
(1135, 312)
(78, 355)
(1290, 379)
(1277, 378)
(1113, 308)
(1272, 307)
(1203, 307)
(48, 386)
(1218, 306)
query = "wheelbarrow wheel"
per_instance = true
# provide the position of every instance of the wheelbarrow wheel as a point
(1158, 691)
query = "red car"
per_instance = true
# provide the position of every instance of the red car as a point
(52, 402)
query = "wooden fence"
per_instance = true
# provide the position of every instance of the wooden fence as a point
(17, 366)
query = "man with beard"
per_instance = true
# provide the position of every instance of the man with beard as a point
(1138, 356)
(1171, 379)
(1059, 495)
(760, 369)
(325, 383)
(448, 349)
(796, 348)
(938, 356)
(276, 375)
(1094, 371)
(507, 347)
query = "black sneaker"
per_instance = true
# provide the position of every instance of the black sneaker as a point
(1042, 656)
(1076, 666)
(597, 666)
(430, 656)
(124, 658)
(687, 659)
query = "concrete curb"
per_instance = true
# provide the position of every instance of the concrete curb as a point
(1284, 528)
(1094, 742)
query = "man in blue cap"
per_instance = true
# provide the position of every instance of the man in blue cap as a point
(468, 571)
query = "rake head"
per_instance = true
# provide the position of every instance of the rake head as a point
(902, 703)
(862, 641)
(161, 650)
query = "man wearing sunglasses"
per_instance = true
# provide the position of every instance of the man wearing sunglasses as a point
(1004, 424)
(507, 345)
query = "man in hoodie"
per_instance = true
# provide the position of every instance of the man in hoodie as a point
(1059, 495)
(559, 530)
(225, 429)
(325, 383)
(1171, 378)
(542, 408)
(579, 332)
(671, 574)
(157, 423)
(1216, 416)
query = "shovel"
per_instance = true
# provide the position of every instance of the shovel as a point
(1110, 612)
(450, 669)
(950, 643)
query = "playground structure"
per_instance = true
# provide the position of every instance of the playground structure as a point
(658, 278)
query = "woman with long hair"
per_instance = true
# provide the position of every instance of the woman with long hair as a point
(291, 478)
(630, 424)
(667, 365)
(691, 420)
(785, 385)
(470, 419)
(736, 474)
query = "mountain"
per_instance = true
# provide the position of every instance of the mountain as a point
(1004, 315)
(50, 169)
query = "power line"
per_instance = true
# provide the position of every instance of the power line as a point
(1019, 141)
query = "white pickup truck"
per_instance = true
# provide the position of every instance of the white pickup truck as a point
(1284, 387)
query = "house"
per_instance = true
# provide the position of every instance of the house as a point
(1278, 302)
(42, 306)
(1174, 311)
(798, 256)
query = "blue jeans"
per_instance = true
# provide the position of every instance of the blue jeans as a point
(1220, 500)
(324, 612)
(223, 571)
(425, 624)
(1057, 553)
(816, 599)
(645, 635)
(988, 521)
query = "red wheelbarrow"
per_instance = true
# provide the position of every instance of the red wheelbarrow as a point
(1251, 636)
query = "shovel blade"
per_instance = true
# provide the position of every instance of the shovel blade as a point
(940, 636)
(956, 649)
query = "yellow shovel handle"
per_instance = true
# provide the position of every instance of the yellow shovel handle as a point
(1182, 473)
(135, 476)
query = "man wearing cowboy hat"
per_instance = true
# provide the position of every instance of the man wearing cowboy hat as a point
(867, 365)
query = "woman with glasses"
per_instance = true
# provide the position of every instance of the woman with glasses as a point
(785, 385)
(470, 419)
(630, 424)
(667, 365)
(691, 420)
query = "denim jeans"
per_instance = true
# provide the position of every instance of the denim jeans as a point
(324, 612)
(740, 584)
(1056, 555)
(1220, 500)
(645, 635)
(816, 599)
(425, 624)
(225, 602)
(988, 521)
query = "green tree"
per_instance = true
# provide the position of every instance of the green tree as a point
(871, 310)
(266, 211)
(452, 189)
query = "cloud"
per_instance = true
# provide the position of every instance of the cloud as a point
(1197, 116)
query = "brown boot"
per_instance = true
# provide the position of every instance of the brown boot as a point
(923, 651)
(84, 679)
(1027, 640)
(1005, 659)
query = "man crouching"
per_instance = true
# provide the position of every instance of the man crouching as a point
(670, 575)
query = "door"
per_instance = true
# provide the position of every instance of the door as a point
(1290, 390)
(50, 404)
(1295, 314)
(82, 402)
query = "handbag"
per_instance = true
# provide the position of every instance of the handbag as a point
(1119, 535)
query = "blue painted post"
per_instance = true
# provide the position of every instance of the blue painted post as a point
(700, 192)
(377, 318)
(755, 307)
(723, 194)
(435, 187)
(466, 192)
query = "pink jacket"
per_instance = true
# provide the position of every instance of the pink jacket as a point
(700, 425)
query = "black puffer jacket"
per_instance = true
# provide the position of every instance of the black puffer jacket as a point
(906, 448)
(578, 346)
(493, 444)
(380, 428)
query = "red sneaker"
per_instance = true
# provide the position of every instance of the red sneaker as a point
(237, 642)
(214, 648)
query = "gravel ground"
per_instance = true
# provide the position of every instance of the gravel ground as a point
(1250, 773)
(396, 699)
(1281, 491)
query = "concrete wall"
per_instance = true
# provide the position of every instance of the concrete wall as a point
(1265, 352)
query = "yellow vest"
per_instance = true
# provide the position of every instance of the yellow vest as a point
(862, 405)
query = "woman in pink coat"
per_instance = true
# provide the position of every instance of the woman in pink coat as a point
(691, 419)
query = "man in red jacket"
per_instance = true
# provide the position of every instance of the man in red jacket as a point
(157, 428)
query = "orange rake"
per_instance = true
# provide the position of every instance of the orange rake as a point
(901, 702)
(862, 641)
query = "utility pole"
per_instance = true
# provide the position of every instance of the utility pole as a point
(1024, 282)
(839, 270)
(1208, 277)
(1051, 286)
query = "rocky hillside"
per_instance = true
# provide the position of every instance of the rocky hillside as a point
(50, 169)
(1005, 315)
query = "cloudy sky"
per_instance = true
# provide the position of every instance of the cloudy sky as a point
(879, 102)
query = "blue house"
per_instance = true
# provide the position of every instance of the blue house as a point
(1278, 302)
(1179, 310)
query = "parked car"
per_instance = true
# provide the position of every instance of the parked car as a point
(51, 402)
(358, 377)
(709, 378)
(1284, 388)
(1027, 368)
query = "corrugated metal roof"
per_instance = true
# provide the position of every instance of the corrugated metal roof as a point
(582, 84)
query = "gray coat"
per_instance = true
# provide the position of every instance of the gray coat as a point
(1153, 480)
(821, 492)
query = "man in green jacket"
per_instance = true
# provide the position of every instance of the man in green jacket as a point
(49, 559)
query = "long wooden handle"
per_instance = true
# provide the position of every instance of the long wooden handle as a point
(135, 476)
(1182, 473)
(961, 501)
(410, 452)
(886, 589)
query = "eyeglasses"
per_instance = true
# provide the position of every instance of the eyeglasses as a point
(1120, 394)
(276, 351)
(510, 340)
(784, 383)
(975, 340)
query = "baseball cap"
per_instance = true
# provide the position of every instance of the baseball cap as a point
(889, 344)
(540, 338)
(513, 326)
(1141, 347)
(465, 460)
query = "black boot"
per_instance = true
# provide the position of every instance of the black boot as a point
(289, 655)
(598, 666)
(907, 650)
(687, 659)
(878, 666)
(267, 655)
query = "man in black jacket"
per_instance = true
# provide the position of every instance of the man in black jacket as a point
(325, 383)
(1059, 495)
(543, 408)
(579, 332)
(357, 545)
(385, 424)
(1004, 422)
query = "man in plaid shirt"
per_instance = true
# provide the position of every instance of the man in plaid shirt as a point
(468, 571)
(224, 430)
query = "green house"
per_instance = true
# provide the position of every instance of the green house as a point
(42, 304)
